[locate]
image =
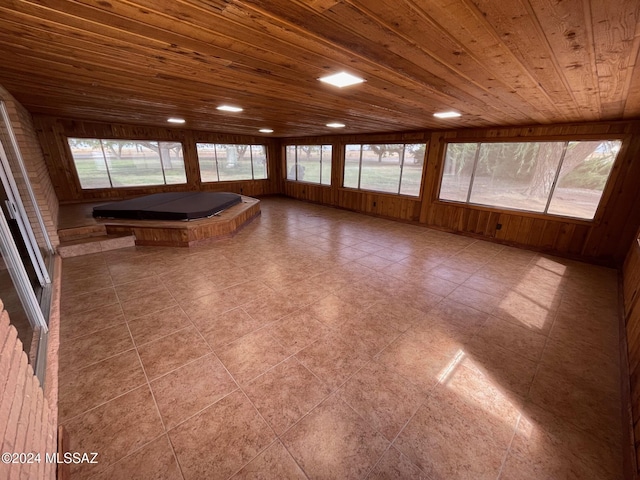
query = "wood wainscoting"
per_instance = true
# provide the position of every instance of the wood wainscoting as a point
(631, 294)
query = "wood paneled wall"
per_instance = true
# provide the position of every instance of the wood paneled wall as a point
(605, 240)
(631, 291)
(53, 133)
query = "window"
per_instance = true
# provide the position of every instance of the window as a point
(231, 162)
(127, 163)
(559, 178)
(309, 163)
(392, 168)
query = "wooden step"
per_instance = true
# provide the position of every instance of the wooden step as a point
(86, 231)
(95, 244)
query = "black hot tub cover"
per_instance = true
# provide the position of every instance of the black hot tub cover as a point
(169, 206)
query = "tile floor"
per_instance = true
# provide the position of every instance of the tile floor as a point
(324, 344)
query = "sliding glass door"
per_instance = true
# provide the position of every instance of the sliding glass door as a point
(26, 254)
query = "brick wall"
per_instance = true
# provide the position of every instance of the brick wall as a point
(47, 201)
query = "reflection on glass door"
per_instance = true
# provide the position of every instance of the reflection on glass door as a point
(25, 251)
(22, 199)
(19, 298)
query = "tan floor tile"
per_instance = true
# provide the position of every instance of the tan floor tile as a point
(76, 325)
(509, 371)
(304, 292)
(394, 313)
(487, 285)
(454, 317)
(94, 347)
(192, 287)
(154, 326)
(285, 393)
(228, 327)
(421, 357)
(479, 389)
(148, 303)
(74, 272)
(450, 438)
(139, 288)
(297, 265)
(182, 393)
(418, 298)
(154, 460)
(513, 337)
(246, 292)
(526, 310)
(78, 285)
(334, 442)
(368, 247)
(98, 383)
(367, 338)
(275, 462)
(476, 299)
(202, 311)
(251, 355)
(170, 352)
(385, 400)
(396, 465)
(431, 283)
(461, 263)
(547, 447)
(297, 330)
(114, 429)
(359, 295)
(591, 407)
(450, 273)
(597, 329)
(87, 301)
(585, 361)
(228, 277)
(131, 273)
(333, 311)
(332, 360)
(271, 306)
(197, 443)
(375, 262)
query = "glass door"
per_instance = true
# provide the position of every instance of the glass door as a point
(26, 254)
(20, 199)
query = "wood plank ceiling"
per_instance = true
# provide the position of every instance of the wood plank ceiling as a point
(510, 62)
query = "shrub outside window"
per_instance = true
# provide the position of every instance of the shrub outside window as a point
(231, 162)
(558, 178)
(389, 168)
(309, 163)
(104, 163)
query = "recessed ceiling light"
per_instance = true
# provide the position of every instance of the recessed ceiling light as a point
(342, 79)
(175, 120)
(335, 125)
(229, 108)
(450, 114)
(266, 130)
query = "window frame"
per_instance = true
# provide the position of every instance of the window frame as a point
(109, 177)
(296, 146)
(379, 192)
(250, 149)
(624, 138)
